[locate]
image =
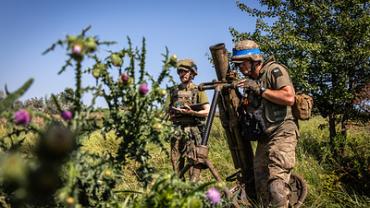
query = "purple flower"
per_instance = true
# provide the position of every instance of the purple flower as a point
(77, 49)
(124, 78)
(214, 195)
(143, 89)
(22, 117)
(67, 115)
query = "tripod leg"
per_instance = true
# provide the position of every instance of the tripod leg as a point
(183, 171)
(217, 176)
(213, 170)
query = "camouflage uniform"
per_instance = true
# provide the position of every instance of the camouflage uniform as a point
(190, 127)
(275, 154)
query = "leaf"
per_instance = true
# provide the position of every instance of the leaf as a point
(12, 97)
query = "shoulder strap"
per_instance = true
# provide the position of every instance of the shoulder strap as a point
(194, 92)
(173, 94)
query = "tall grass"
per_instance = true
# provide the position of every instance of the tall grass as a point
(325, 187)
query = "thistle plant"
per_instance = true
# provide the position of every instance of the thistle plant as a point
(170, 191)
(133, 118)
(134, 113)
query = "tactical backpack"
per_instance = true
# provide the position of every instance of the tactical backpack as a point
(302, 106)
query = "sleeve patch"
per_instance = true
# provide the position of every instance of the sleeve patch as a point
(276, 72)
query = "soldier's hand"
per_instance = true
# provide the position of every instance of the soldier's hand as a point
(183, 110)
(253, 86)
(187, 107)
(239, 83)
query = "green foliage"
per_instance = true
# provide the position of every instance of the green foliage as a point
(332, 181)
(169, 191)
(134, 118)
(107, 157)
(8, 101)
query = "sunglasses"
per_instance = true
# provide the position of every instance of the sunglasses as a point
(239, 64)
(179, 71)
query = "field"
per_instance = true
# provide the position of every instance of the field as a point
(325, 186)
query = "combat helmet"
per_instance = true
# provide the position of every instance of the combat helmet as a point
(246, 49)
(187, 64)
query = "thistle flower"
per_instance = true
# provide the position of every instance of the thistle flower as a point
(124, 78)
(77, 49)
(67, 115)
(22, 117)
(213, 195)
(143, 89)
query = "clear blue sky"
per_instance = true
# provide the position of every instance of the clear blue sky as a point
(186, 27)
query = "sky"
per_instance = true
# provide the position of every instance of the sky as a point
(186, 27)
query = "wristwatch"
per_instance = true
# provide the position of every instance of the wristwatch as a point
(262, 90)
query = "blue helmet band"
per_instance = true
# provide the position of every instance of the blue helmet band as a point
(254, 51)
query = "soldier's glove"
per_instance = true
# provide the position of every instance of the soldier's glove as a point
(254, 86)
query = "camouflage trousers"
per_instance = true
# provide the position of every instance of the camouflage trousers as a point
(273, 162)
(183, 147)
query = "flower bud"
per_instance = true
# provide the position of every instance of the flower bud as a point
(157, 127)
(67, 115)
(90, 44)
(173, 59)
(57, 142)
(124, 78)
(143, 89)
(71, 39)
(162, 92)
(116, 60)
(22, 117)
(96, 72)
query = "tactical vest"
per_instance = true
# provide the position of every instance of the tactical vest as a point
(180, 97)
(274, 114)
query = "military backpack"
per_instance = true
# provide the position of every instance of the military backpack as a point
(302, 106)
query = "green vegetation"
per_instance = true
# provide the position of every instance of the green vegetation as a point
(64, 153)
(328, 181)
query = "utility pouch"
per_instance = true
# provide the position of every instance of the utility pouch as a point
(302, 107)
(253, 126)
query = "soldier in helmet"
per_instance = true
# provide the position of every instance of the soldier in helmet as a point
(188, 109)
(270, 95)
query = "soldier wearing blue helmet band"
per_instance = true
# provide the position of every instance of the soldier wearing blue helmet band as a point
(269, 90)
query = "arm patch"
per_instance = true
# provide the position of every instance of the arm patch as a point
(276, 72)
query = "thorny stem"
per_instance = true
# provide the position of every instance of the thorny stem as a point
(78, 93)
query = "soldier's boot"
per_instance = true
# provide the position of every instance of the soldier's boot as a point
(298, 191)
(278, 191)
(195, 173)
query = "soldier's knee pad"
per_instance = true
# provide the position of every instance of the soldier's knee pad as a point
(278, 193)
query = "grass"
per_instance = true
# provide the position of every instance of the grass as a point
(325, 187)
